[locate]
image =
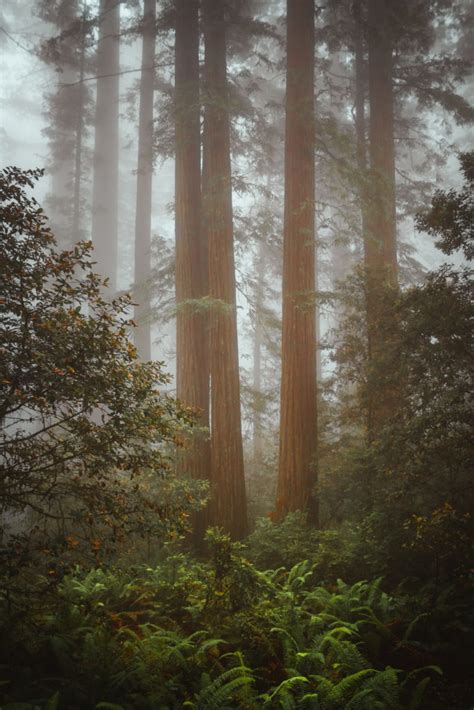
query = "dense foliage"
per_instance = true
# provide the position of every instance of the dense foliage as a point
(451, 216)
(225, 634)
(86, 428)
(410, 487)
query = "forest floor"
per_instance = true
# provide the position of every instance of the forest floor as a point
(221, 633)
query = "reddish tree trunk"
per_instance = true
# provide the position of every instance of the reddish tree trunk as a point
(257, 423)
(192, 362)
(106, 151)
(78, 157)
(144, 186)
(228, 506)
(360, 119)
(63, 109)
(381, 241)
(298, 424)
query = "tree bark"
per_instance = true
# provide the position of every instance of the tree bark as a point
(381, 240)
(144, 186)
(106, 150)
(257, 425)
(228, 505)
(298, 417)
(192, 361)
(360, 120)
(62, 113)
(76, 211)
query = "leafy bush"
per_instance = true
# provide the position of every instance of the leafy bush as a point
(349, 551)
(86, 430)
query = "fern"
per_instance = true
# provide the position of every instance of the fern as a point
(222, 692)
(289, 644)
(418, 693)
(385, 688)
(310, 701)
(283, 694)
(298, 576)
(207, 646)
(343, 654)
(363, 700)
(343, 691)
(411, 627)
(315, 648)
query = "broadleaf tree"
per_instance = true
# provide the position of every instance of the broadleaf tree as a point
(87, 432)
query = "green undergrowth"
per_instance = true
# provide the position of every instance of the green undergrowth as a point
(221, 633)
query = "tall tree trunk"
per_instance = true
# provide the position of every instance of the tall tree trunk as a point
(360, 122)
(257, 427)
(360, 66)
(106, 151)
(76, 214)
(192, 361)
(144, 186)
(318, 317)
(380, 241)
(62, 113)
(228, 506)
(298, 424)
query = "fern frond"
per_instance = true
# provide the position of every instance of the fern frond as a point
(342, 692)
(221, 691)
(207, 646)
(283, 693)
(408, 633)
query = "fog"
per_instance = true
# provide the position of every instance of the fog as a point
(236, 353)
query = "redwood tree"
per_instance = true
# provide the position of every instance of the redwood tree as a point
(228, 505)
(298, 423)
(381, 241)
(64, 51)
(360, 67)
(192, 367)
(257, 424)
(106, 151)
(77, 233)
(144, 185)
